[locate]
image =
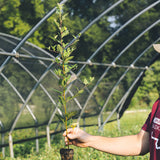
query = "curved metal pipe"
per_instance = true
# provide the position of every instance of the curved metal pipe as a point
(28, 35)
(150, 27)
(36, 26)
(96, 19)
(53, 114)
(19, 95)
(6, 36)
(114, 110)
(117, 31)
(122, 101)
(104, 74)
(29, 96)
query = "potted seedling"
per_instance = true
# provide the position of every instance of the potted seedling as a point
(63, 71)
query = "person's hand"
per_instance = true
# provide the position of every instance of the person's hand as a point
(76, 137)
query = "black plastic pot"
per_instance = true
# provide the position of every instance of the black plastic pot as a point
(66, 154)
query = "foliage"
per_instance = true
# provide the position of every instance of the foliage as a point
(11, 18)
(63, 71)
(149, 89)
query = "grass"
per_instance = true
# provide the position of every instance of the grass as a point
(130, 123)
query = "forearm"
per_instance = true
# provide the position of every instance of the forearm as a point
(127, 145)
(118, 146)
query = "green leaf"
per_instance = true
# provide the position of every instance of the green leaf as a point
(64, 16)
(58, 60)
(58, 72)
(60, 7)
(61, 118)
(71, 114)
(62, 101)
(73, 66)
(91, 79)
(65, 33)
(80, 91)
(70, 121)
(63, 82)
(57, 91)
(56, 23)
(55, 38)
(59, 48)
(69, 98)
(68, 59)
(67, 53)
(85, 81)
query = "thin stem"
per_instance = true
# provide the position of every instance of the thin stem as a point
(64, 76)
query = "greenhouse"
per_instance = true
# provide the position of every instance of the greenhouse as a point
(115, 46)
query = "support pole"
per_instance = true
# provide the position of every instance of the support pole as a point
(3, 148)
(100, 121)
(37, 141)
(11, 146)
(118, 121)
(48, 136)
(84, 123)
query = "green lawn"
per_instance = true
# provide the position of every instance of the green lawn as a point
(130, 123)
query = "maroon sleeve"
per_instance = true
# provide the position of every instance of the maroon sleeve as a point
(148, 122)
(146, 126)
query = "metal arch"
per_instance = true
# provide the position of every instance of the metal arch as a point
(35, 77)
(75, 62)
(120, 79)
(136, 16)
(144, 52)
(26, 37)
(10, 137)
(75, 99)
(5, 36)
(29, 34)
(36, 26)
(1, 124)
(29, 96)
(19, 95)
(2, 65)
(25, 56)
(126, 94)
(89, 25)
(150, 27)
(2, 138)
(85, 29)
(121, 102)
(96, 19)
(56, 108)
(123, 26)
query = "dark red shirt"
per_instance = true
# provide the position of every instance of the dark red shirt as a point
(152, 125)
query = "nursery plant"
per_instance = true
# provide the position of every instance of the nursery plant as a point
(63, 71)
